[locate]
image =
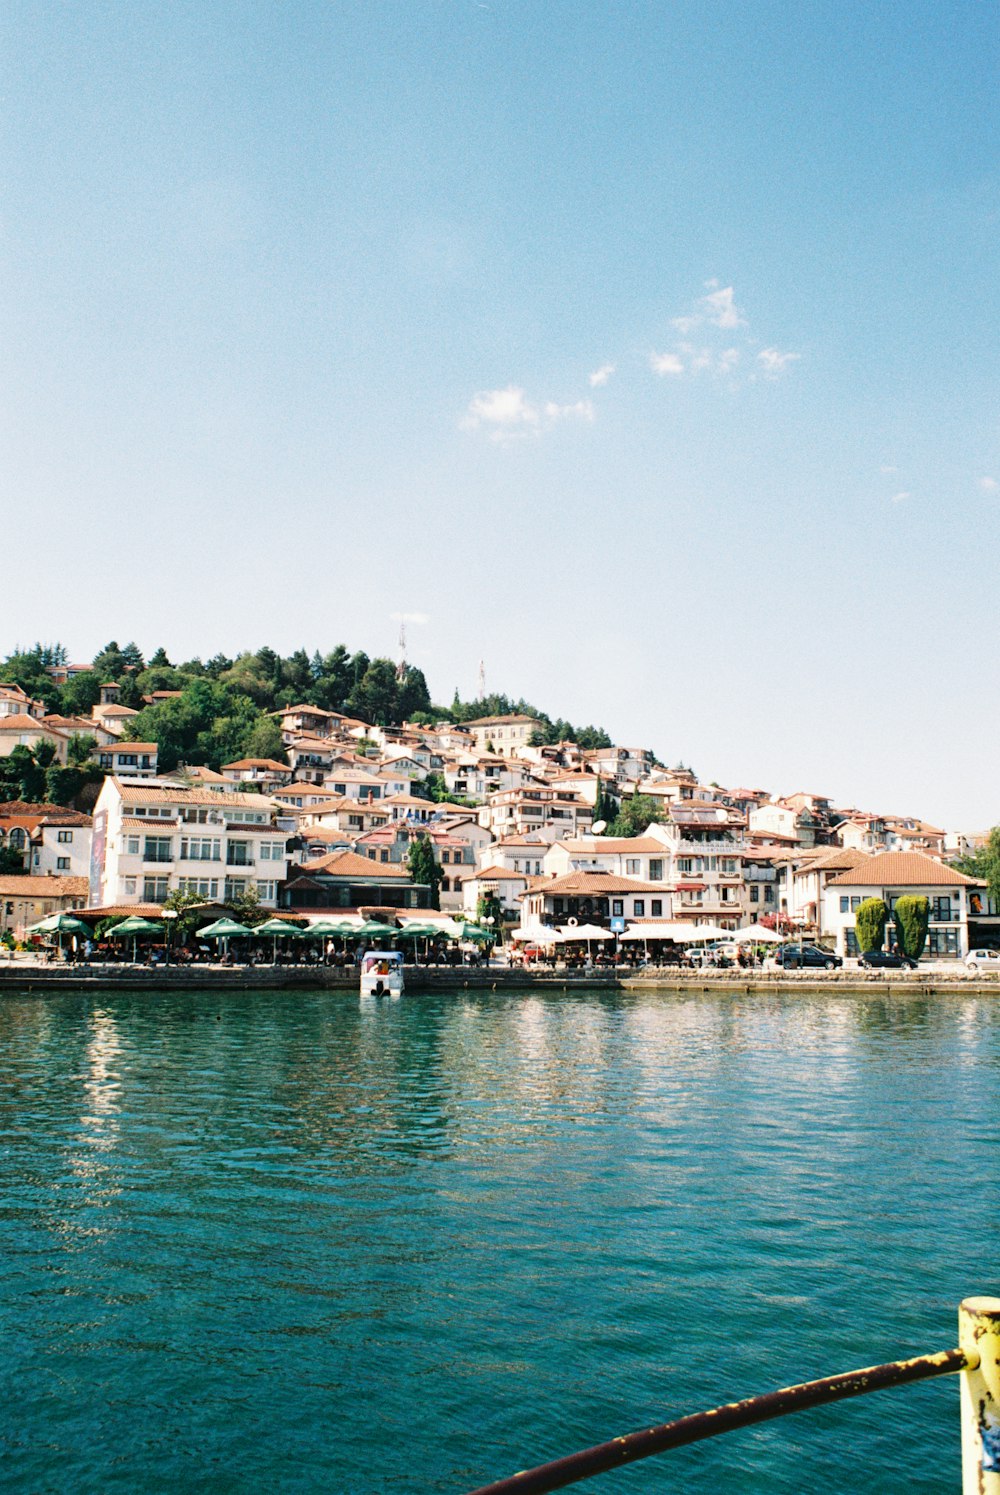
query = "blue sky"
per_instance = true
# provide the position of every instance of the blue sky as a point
(647, 351)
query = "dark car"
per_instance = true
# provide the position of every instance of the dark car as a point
(791, 957)
(886, 960)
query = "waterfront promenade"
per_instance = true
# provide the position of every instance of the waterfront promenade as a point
(937, 978)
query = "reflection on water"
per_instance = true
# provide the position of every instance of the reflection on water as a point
(292, 1241)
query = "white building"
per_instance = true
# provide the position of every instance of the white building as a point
(153, 839)
(961, 913)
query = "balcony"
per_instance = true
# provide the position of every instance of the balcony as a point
(232, 861)
(685, 848)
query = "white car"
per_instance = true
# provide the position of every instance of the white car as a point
(983, 960)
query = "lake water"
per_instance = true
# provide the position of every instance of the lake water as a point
(292, 1241)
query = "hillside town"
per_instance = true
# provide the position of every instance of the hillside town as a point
(533, 839)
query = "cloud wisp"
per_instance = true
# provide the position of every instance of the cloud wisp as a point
(508, 413)
(715, 313)
(713, 339)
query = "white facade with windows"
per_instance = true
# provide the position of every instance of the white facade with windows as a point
(150, 841)
(61, 850)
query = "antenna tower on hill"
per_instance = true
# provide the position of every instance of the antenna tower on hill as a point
(482, 681)
(401, 666)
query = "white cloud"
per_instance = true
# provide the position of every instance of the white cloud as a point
(665, 363)
(774, 363)
(721, 308)
(601, 376)
(989, 485)
(503, 409)
(508, 413)
(900, 498)
(686, 325)
(728, 359)
(581, 410)
(409, 617)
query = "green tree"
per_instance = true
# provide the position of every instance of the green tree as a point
(423, 867)
(11, 861)
(636, 815)
(488, 906)
(246, 907)
(160, 659)
(80, 749)
(984, 863)
(190, 911)
(109, 663)
(912, 914)
(264, 740)
(375, 697)
(869, 924)
(80, 694)
(62, 785)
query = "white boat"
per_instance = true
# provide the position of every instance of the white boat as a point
(382, 973)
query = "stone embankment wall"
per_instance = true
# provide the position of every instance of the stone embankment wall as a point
(23, 976)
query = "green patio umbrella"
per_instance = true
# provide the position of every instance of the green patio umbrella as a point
(223, 929)
(324, 927)
(371, 929)
(477, 933)
(131, 928)
(60, 924)
(419, 931)
(276, 928)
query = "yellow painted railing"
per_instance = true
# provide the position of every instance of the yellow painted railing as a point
(977, 1359)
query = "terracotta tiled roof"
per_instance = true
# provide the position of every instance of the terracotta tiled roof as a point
(259, 763)
(350, 864)
(840, 860)
(135, 792)
(584, 883)
(19, 721)
(902, 869)
(496, 874)
(44, 887)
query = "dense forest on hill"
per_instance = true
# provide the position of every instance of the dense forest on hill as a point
(223, 711)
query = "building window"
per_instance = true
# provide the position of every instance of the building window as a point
(638, 908)
(632, 866)
(63, 837)
(238, 854)
(132, 845)
(617, 908)
(154, 889)
(205, 887)
(62, 864)
(158, 849)
(267, 891)
(656, 869)
(754, 894)
(201, 848)
(845, 903)
(130, 887)
(656, 908)
(235, 888)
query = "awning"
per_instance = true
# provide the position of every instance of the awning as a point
(691, 887)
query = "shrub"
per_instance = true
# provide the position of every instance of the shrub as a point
(912, 916)
(869, 924)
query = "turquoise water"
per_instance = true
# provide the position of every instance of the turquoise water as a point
(290, 1241)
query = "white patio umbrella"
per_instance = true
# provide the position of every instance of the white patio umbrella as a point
(570, 932)
(710, 932)
(662, 929)
(758, 934)
(536, 934)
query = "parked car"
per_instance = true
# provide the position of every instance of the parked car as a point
(886, 960)
(983, 960)
(791, 957)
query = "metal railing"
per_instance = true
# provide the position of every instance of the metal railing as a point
(977, 1358)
